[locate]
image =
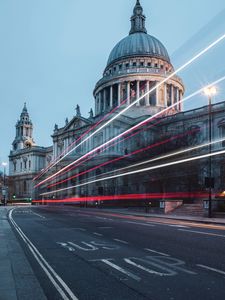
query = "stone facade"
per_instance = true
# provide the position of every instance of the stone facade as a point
(26, 159)
(132, 69)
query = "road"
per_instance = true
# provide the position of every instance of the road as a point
(93, 254)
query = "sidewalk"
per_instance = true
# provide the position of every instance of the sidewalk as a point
(17, 280)
(125, 211)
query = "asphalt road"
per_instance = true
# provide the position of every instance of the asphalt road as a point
(91, 254)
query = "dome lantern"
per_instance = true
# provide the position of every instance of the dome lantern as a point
(138, 19)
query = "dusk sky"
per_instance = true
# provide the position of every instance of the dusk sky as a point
(54, 51)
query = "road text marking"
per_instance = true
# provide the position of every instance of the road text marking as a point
(118, 268)
(157, 252)
(121, 241)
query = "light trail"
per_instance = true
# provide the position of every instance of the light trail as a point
(210, 46)
(131, 129)
(166, 156)
(149, 196)
(125, 156)
(52, 164)
(140, 171)
(104, 149)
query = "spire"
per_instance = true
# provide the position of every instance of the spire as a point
(138, 19)
(24, 113)
(25, 107)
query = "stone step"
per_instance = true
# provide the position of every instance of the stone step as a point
(192, 209)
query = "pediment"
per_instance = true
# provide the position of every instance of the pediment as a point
(76, 123)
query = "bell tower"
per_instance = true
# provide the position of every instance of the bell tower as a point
(24, 131)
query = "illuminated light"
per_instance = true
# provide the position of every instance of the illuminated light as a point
(139, 171)
(129, 130)
(210, 46)
(210, 91)
(124, 156)
(157, 196)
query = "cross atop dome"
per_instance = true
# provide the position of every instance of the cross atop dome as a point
(138, 19)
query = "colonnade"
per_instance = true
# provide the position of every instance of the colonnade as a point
(119, 93)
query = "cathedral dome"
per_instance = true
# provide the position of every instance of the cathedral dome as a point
(138, 44)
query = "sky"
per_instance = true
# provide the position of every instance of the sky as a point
(53, 52)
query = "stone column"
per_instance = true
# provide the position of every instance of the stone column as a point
(128, 92)
(138, 92)
(147, 102)
(157, 94)
(178, 99)
(111, 96)
(172, 94)
(119, 93)
(99, 102)
(104, 99)
(165, 94)
(96, 104)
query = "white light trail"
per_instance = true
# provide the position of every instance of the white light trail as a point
(139, 171)
(213, 44)
(130, 129)
(165, 156)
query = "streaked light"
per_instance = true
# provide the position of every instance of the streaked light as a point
(147, 93)
(130, 130)
(157, 196)
(139, 171)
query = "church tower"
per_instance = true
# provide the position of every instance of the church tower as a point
(24, 131)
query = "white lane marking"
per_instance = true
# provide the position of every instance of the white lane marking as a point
(157, 252)
(38, 215)
(121, 241)
(137, 223)
(179, 226)
(202, 232)
(98, 234)
(49, 271)
(211, 269)
(118, 268)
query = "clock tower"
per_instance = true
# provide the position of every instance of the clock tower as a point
(24, 131)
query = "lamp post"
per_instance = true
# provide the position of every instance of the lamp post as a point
(210, 92)
(4, 164)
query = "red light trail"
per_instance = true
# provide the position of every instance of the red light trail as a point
(125, 156)
(148, 196)
(194, 58)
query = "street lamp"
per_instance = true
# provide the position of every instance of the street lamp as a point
(210, 92)
(4, 164)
